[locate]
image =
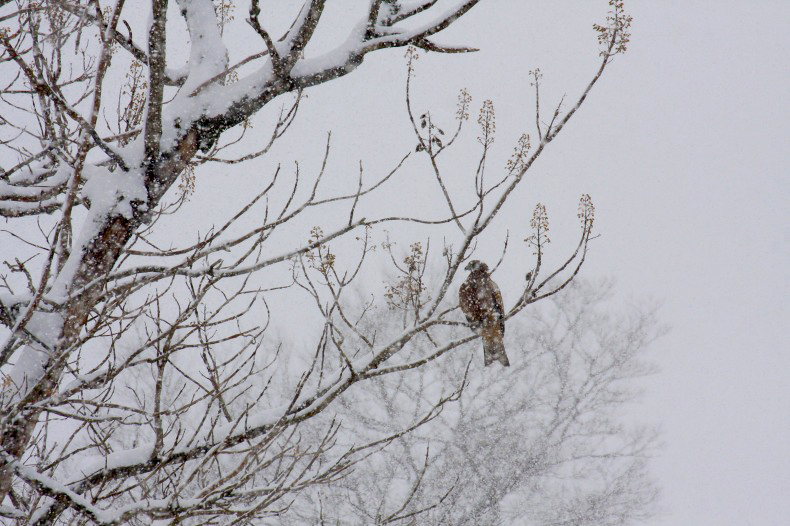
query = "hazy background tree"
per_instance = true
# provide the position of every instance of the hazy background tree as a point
(142, 379)
(541, 442)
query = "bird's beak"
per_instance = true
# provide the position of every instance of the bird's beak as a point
(468, 266)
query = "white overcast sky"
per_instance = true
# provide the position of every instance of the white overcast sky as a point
(684, 148)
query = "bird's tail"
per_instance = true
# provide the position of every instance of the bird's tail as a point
(493, 346)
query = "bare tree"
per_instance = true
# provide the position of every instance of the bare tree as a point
(138, 382)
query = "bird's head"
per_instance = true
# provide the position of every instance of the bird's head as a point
(476, 266)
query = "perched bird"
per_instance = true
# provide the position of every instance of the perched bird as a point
(481, 302)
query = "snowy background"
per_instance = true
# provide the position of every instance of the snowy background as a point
(683, 146)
